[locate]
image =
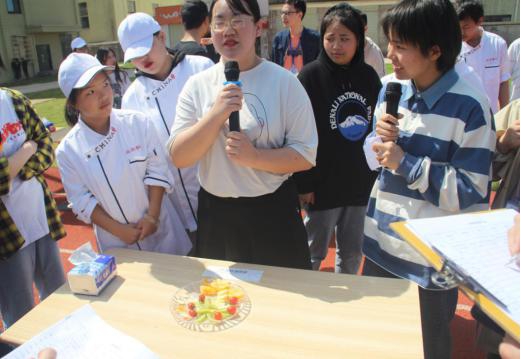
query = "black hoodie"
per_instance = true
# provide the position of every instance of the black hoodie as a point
(343, 100)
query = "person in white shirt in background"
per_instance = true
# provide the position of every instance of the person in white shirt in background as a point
(78, 44)
(513, 55)
(248, 202)
(485, 52)
(119, 79)
(113, 166)
(162, 74)
(372, 53)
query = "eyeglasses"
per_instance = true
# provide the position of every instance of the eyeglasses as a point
(236, 23)
(287, 13)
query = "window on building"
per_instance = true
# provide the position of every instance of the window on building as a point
(84, 15)
(13, 7)
(131, 5)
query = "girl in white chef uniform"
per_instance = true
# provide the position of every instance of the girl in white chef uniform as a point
(113, 166)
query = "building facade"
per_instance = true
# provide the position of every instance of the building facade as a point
(501, 17)
(99, 19)
(34, 36)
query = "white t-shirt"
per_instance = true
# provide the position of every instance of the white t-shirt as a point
(25, 201)
(513, 55)
(276, 113)
(373, 56)
(489, 60)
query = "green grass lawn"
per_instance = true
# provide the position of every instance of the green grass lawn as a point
(54, 93)
(388, 68)
(32, 80)
(126, 66)
(53, 109)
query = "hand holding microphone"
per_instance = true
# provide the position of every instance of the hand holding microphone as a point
(231, 72)
(387, 125)
(388, 153)
(228, 101)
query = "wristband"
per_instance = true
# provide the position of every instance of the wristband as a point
(151, 219)
(238, 83)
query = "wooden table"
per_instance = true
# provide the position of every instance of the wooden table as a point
(294, 314)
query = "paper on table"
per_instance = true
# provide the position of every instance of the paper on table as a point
(477, 244)
(247, 275)
(83, 335)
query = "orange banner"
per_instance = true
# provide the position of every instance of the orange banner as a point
(168, 15)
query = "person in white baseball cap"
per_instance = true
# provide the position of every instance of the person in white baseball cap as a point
(136, 34)
(77, 70)
(113, 167)
(78, 44)
(161, 75)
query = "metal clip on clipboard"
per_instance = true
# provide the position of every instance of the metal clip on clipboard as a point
(450, 276)
(446, 278)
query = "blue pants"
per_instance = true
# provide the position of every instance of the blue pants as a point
(348, 224)
(38, 263)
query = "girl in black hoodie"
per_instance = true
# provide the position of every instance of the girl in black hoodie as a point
(343, 91)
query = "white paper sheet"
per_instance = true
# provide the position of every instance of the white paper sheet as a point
(83, 335)
(247, 275)
(370, 155)
(478, 245)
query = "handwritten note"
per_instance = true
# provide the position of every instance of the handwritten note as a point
(477, 245)
(83, 335)
(247, 275)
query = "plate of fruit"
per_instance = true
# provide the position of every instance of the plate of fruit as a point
(210, 305)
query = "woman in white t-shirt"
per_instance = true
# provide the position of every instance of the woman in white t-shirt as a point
(248, 204)
(119, 79)
(113, 166)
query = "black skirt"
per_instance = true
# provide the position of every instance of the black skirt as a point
(264, 230)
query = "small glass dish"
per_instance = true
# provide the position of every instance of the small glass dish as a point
(210, 305)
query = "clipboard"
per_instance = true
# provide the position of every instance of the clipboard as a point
(452, 277)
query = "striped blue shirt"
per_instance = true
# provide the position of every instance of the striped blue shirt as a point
(448, 138)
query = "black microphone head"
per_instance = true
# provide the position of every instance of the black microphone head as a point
(393, 91)
(231, 71)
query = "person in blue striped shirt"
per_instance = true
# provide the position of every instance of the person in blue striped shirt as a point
(435, 158)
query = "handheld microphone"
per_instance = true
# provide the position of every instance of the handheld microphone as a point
(231, 72)
(393, 92)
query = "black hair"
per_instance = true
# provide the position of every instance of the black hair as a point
(299, 5)
(102, 54)
(71, 114)
(246, 7)
(193, 13)
(426, 23)
(351, 19)
(470, 8)
(364, 18)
